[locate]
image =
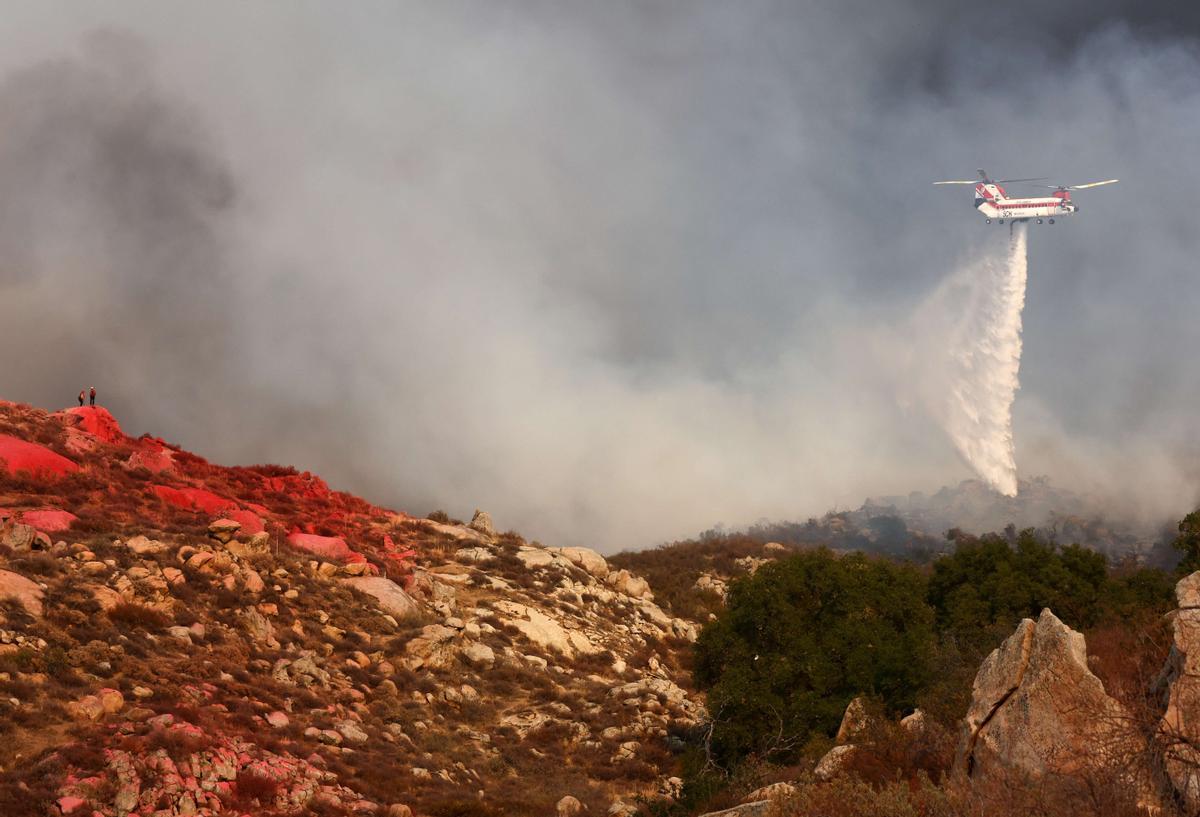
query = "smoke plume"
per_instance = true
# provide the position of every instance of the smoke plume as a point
(615, 272)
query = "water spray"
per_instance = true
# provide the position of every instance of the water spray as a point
(972, 395)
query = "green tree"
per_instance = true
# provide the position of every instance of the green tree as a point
(1188, 543)
(987, 585)
(803, 636)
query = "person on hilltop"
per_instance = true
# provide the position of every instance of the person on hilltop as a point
(92, 395)
(81, 398)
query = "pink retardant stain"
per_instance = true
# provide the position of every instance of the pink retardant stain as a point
(48, 520)
(18, 455)
(98, 422)
(152, 455)
(68, 804)
(193, 499)
(250, 521)
(327, 547)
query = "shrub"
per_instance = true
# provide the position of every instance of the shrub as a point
(801, 638)
(137, 615)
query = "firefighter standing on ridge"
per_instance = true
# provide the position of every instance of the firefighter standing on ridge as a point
(92, 395)
(81, 398)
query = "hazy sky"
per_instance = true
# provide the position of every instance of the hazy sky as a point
(615, 272)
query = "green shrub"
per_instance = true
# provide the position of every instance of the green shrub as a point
(801, 638)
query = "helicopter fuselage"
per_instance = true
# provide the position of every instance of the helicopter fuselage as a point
(994, 203)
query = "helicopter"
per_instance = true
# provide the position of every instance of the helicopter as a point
(995, 204)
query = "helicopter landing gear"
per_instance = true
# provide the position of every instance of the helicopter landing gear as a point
(1000, 221)
(1051, 221)
(1039, 221)
(987, 221)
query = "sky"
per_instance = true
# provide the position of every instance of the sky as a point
(614, 272)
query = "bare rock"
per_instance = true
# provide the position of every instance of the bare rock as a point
(773, 791)
(568, 806)
(633, 586)
(391, 597)
(855, 721)
(143, 546)
(480, 654)
(1038, 710)
(587, 560)
(833, 762)
(17, 536)
(26, 592)
(482, 522)
(544, 631)
(224, 530)
(1179, 730)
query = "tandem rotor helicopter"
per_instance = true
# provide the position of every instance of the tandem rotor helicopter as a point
(994, 203)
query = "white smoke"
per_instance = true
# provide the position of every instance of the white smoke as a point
(971, 354)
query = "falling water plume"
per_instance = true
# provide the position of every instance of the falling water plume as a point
(980, 353)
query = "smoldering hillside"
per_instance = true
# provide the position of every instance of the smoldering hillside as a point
(615, 273)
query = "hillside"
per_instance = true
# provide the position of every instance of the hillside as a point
(179, 637)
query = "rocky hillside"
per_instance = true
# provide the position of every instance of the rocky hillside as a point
(181, 638)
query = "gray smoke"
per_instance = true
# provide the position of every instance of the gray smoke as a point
(615, 272)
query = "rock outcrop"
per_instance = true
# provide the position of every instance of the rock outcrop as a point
(1179, 730)
(1037, 710)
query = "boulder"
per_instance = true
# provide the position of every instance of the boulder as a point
(145, 547)
(544, 631)
(480, 654)
(18, 455)
(587, 559)
(1179, 730)
(49, 520)
(833, 762)
(759, 808)
(534, 558)
(17, 536)
(855, 721)
(26, 592)
(475, 554)
(326, 547)
(633, 586)
(223, 530)
(1038, 710)
(391, 597)
(568, 806)
(482, 522)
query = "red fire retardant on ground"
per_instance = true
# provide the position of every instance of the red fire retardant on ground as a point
(18, 455)
(193, 499)
(249, 520)
(152, 455)
(49, 520)
(327, 547)
(98, 422)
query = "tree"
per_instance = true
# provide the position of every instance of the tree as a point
(802, 637)
(987, 585)
(1188, 543)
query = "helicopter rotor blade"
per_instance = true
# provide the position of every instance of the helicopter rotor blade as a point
(1079, 186)
(1035, 179)
(969, 181)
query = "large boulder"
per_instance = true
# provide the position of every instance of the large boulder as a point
(587, 559)
(633, 586)
(1179, 730)
(327, 547)
(391, 596)
(482, 522)
(26, 593)
(17, 536)
(544, 631)
(1037, 711)
(18, 455)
